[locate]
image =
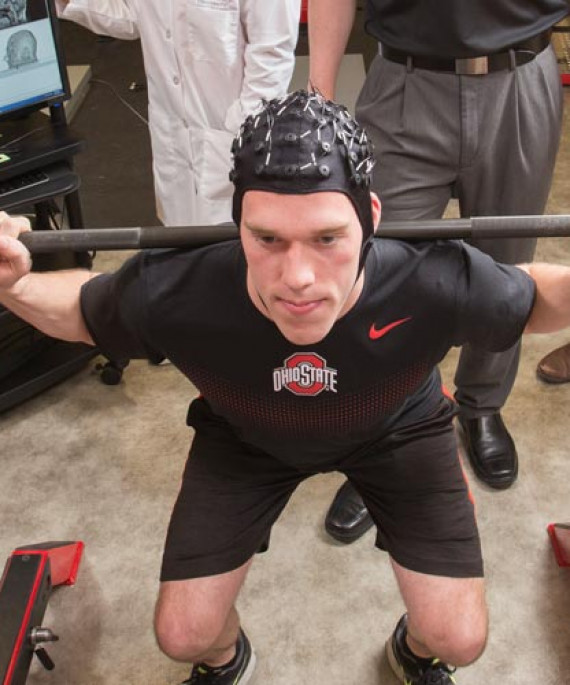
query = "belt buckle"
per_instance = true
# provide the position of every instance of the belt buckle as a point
(472, 66)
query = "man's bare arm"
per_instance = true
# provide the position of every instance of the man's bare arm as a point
(551, 311)
(47, 301)
(330, 24)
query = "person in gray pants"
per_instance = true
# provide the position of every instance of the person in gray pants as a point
(463, 100)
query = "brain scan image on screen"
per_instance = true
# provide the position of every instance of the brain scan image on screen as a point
(13, 13)
(22, 49)
(31, 68)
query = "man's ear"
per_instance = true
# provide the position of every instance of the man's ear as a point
(376, 209)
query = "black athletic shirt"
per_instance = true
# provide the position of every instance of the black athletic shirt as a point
(459, 28)
(375, 368)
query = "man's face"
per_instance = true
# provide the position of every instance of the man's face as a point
(302, 253)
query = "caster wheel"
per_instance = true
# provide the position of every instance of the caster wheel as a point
(110, 375)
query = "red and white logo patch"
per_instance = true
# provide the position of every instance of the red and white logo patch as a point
(305, 374)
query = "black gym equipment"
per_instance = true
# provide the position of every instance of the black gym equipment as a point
(475, 228)
(26, 585)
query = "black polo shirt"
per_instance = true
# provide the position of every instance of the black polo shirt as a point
(459, 28)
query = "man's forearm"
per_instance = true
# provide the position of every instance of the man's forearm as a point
(330, 24)
(551, 311)
(50, 303)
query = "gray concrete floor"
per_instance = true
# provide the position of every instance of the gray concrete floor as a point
(102, 464)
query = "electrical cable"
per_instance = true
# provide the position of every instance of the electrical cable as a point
(120, 98)
(5, 147)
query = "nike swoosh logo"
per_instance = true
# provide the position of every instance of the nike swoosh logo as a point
(380, 332)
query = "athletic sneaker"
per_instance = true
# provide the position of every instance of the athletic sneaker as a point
(409, 668)
(238, 670)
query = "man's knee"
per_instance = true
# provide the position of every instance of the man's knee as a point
(192, 614)
(462, 647)
(458, 642)
(182, 633)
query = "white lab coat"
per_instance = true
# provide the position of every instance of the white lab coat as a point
(208, 64)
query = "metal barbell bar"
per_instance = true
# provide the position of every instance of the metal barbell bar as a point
(136, 238)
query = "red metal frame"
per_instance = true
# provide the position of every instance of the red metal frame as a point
(561, 558)
(30, 574)
(64, 559)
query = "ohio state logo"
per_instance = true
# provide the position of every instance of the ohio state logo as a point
(305, 374)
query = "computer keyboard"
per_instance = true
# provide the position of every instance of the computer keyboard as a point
(28, 180)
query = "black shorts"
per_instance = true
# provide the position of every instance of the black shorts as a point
(411, 481)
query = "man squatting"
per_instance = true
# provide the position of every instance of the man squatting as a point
(315, 348)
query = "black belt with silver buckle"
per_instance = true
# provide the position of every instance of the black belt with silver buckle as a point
(475, 66)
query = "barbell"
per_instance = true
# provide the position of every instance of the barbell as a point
(136, 238)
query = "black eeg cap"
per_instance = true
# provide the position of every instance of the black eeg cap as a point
(303, 143)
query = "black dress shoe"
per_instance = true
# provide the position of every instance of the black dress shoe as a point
(491, 450)
(347, 518)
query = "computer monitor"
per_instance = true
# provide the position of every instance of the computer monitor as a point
(32, 68)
